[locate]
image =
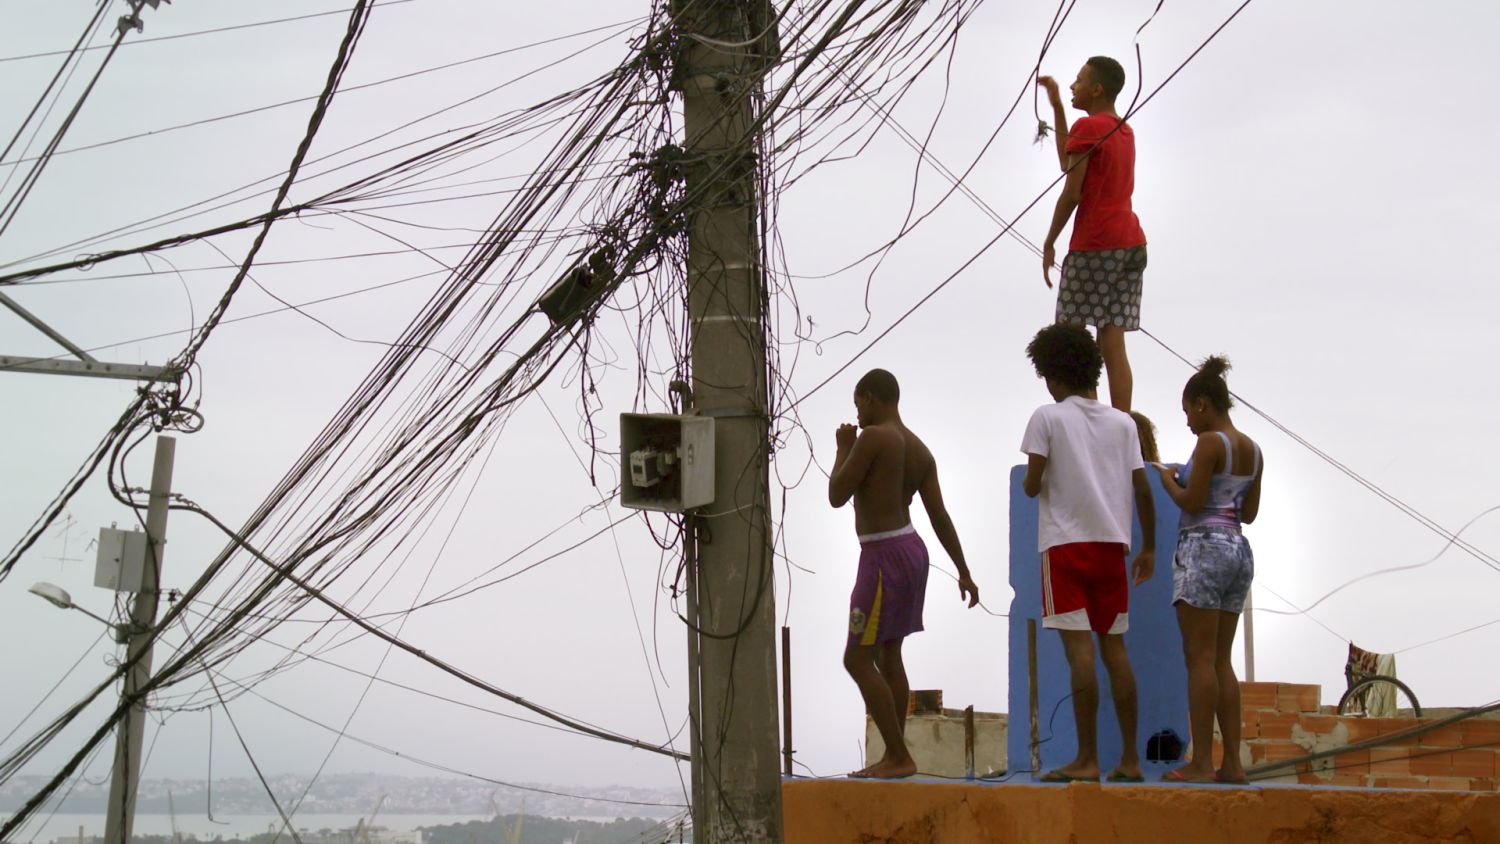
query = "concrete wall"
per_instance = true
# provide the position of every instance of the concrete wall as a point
(1153, 642)
(936, 741)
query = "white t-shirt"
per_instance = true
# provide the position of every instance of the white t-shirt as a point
(1087, 493)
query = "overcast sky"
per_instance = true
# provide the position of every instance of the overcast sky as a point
(1311, 185)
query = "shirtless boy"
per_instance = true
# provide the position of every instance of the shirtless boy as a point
(882, 468)
(1102, 273)
(1083, 459)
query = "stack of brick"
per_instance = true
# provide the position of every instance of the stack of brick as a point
(1285, 721)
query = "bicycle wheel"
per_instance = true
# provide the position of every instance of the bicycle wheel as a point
(1372, 680)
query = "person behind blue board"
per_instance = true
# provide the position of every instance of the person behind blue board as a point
(1083, 460)
(1213, 566)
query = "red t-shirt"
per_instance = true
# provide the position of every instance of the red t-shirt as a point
(1104, 219)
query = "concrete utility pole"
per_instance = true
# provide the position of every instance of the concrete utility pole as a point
(719, 74)
(120, 813)
(1249, 640)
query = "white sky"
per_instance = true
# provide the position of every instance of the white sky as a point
(1315, 197)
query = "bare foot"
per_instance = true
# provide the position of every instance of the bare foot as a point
(1071, 771)
(885, 769)
(1231, 777)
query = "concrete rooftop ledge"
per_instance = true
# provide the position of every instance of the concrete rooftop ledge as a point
(919, 811)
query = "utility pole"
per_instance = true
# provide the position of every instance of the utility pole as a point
(719, 73)
(1249, 640)
(695, 672)
(120, 813)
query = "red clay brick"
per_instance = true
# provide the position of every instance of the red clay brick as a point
(1273, 751)
(1317, 723)
(1449, 783)
(1387, 761)
(1257, 696)
(1279, 751)
(1361, 728)
(1397, 782)
(1480, 732)
(1277, 725)
(1449, 736)
(1250, 723)
(1432, 764)
(1348, 779)
(1298, 697)
(1392, 726)
(1474, 763)
(1353, 762)
(1310, 779)
(1484, 784)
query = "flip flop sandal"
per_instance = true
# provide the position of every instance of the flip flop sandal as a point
(1060, 777)
(1176, 775)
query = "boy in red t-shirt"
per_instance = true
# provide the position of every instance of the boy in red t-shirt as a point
(1101, 275)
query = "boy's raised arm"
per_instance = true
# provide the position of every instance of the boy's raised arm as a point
(1059, 119)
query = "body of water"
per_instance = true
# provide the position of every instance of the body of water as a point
(66, 827)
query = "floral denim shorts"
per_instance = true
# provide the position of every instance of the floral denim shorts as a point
(1212, 569)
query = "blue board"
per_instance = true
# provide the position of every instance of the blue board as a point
(1153, 642)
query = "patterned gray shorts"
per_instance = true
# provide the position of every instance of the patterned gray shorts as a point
(1103, 287)
(1212, 569)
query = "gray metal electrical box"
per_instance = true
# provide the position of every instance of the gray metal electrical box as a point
(121, 564)
(666, 461)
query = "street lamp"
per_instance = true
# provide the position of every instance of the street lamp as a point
(135, 634)
(59, 597)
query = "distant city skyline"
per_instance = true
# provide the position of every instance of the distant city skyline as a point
(358, 793)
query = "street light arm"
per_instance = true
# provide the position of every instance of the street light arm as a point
(99, 618)
(59, 597)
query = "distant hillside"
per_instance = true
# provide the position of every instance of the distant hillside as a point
(535, 830)
(356, 794)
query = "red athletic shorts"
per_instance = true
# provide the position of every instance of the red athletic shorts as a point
(1084, 587)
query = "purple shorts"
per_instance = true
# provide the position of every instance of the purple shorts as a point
(886, 604)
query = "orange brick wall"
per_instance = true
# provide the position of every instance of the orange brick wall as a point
(1285, 720)
(840, 811)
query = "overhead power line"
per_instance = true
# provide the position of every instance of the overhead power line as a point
(380, 634)
(139, 41)
(88, 32)
(360, 87)
(152, 408)
(417, 760)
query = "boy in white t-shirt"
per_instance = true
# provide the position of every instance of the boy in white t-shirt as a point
(1084, 460)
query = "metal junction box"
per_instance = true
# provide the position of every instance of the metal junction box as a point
(121, 564)
(666, 461)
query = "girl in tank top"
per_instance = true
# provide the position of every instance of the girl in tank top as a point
(1218, 491)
